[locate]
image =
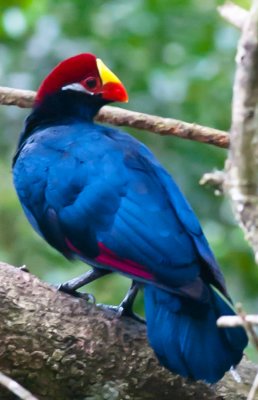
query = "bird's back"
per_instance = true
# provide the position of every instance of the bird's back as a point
(91, 189)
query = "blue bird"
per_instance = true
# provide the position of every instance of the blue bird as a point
(96, 194)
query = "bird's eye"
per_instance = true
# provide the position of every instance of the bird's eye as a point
(91, 83)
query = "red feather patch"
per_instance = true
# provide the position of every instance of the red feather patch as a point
(129, 267)
(72, 70)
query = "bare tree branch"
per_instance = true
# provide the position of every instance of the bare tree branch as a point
(233, 14)
(251, 394)
(63, 348)
(242, 319)
(242, 164)
(15, 388)
(121, 117)
(16, 97)
(236, 320)
(248, 322)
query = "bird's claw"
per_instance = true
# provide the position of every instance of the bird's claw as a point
(23, 268)
(85, 296)
(123, 312)
(120, 312)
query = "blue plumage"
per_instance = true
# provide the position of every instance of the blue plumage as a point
(98, 194)
(185, 338)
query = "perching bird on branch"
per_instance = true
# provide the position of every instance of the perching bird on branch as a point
(97, 194)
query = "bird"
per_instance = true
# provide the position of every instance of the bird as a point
(99, 195)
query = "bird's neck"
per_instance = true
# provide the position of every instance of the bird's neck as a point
(64, 107)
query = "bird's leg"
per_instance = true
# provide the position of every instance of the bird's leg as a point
(125, 308)
(126, 305)
(71, 286)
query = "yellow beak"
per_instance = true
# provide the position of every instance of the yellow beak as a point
(113, 89)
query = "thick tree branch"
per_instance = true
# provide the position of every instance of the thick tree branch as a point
(60, 347)
(121, 117)
(242, 164)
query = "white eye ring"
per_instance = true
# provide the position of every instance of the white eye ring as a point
(77, 87)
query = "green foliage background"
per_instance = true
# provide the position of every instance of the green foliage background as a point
(176, 59)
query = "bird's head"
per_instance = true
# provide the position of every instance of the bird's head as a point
(84, 73)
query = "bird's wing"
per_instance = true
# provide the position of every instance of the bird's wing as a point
(112, 204)
(155, 226)
(141, 221)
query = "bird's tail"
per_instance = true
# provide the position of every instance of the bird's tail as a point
(185, 337)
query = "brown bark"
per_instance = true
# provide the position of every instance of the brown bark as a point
(120, 117)
(63, 348)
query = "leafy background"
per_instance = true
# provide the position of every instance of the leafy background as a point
(176, 59)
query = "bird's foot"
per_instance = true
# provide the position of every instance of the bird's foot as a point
(125, 308)
(123, 311)
(79, 295)
(71, 286)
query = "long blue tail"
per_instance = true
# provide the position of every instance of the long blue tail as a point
(185, 338)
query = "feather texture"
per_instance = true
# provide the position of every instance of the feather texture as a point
(185, 338)
(98, 194)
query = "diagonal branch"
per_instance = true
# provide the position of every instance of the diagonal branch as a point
(63, 348)
(119, 116)
(15, 388)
